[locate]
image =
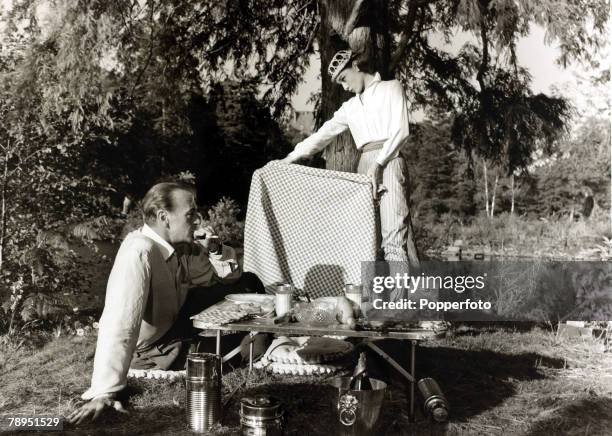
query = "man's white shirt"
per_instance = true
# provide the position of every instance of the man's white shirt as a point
(146, 288)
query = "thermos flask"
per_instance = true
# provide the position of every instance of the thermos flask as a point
(435, 403)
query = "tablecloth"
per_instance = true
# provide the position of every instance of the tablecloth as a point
(309, 227)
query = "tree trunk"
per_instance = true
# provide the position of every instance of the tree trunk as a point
(486, 185)
(341, 154)
(512, 194)
(493, 196)
(364, 27)
(3, 211)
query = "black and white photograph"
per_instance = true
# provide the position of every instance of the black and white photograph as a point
(305, 217)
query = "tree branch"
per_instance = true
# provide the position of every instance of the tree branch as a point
(408, 37)
(303, 7)
(410, 19)
(356, 13)
(25, 160)
(484, 64)
(149, 56)
(311, 38)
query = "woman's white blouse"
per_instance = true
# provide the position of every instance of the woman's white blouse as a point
(379, 113)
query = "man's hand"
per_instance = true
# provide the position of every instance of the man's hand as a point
(94, 407)
(375, 174)
(211, 242)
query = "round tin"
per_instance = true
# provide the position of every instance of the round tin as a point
(260, 415)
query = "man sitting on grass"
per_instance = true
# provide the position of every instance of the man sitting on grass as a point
(145, 322)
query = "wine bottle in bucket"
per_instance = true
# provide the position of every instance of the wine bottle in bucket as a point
(360, 380)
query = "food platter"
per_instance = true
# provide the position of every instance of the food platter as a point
(250, 298)
(326, 302)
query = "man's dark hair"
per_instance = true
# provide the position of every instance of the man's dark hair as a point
(161, 196)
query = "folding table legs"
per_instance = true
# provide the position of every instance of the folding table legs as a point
(413, 345)
(391, 361)
(251, 335)
(236, 350)
(410, 376)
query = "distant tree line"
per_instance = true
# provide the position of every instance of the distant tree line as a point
(231, 134)
(443, 180)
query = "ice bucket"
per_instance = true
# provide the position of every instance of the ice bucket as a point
(357, 412)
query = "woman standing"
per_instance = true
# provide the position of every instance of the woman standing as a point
(377, 117)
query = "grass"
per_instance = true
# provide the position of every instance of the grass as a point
(498, 381)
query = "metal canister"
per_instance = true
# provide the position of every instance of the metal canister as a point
(203, 366)
(203, 384)
(435, 403)
(261, 415)
(283, 301)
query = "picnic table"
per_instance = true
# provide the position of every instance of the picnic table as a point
(267, 325)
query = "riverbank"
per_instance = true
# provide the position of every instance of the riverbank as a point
(510, 236)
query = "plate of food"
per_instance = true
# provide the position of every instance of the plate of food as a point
(251, 298)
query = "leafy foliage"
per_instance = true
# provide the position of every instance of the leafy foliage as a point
(133, 78)
(100, 98)
(583, 162)
(40, 281)
(223, 218)
(244, 138)
(439, 179)
(149, 60)
(43, 191)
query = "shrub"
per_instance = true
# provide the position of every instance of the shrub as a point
(40, 282)
(101, 228)
(223, 218)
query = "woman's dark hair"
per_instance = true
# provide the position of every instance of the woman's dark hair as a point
(161, 196)
(363, 62)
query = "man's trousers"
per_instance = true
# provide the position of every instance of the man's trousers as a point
(170, 351)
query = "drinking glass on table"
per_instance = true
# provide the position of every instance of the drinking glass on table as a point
(283, 300)
(354, 293)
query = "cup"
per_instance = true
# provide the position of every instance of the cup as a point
(283, 300)
(354, 293)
